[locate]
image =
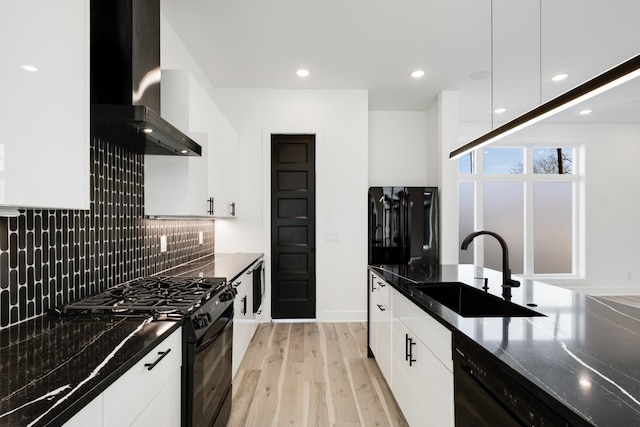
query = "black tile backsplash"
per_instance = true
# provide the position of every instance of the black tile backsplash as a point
(51, 257)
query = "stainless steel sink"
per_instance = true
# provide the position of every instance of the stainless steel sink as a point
(471, 302)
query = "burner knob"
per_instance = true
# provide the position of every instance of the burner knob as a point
(197, 323)
(202, 321)
(234, 292)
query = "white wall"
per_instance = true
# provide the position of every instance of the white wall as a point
(399, 150)
(448, 110)
(340, 121)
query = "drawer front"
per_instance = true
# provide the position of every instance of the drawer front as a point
(380, 289)
(128, 396)
(428, 330)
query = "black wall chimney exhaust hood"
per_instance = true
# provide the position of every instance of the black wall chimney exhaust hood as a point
(125, 79)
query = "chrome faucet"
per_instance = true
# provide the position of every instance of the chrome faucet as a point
(507, 282)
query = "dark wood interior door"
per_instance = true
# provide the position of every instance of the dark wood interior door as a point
(293, 230)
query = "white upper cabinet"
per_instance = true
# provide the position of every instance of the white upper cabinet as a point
(191, 186)
(44, 104)
(176, 185)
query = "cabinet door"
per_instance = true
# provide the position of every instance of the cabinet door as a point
(164, 409)
(401, 372)
(226, 168)
(373, 315)
(44, 113)
(243, 320)
(432, 388)
(90, 415)
(381, 319)
(174, 185)
(126, 399)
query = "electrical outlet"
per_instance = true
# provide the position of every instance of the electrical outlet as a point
(200, 238)
(163, 243)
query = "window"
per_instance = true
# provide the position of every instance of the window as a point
(528, 195)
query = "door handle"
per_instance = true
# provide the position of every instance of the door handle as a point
(381, 307)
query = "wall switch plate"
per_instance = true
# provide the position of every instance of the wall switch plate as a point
(163, 243)
(331, 236)
(200, 237)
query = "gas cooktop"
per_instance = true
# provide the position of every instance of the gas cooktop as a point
(156, 295)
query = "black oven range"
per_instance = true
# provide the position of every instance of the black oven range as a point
(206, 306)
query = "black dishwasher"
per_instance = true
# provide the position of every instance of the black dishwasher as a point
(486, 396)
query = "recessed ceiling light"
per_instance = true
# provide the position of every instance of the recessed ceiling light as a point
(31, 68)
(147, 130)
(302, 72)
(184, 151)
(417, 74)
(499, 110)
(559, 77)
(584, 112)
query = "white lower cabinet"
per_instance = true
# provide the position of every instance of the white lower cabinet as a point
(164, 409)
(140, 393)
(90, 415)
(380, 333)
(148, 394)
(244, 319)
(421, 365)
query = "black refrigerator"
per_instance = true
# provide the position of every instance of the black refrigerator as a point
(404, 225)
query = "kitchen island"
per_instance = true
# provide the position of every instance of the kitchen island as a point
(580, 357)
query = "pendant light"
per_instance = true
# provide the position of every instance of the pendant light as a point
(611, 78)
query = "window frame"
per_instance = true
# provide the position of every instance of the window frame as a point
(528, 178)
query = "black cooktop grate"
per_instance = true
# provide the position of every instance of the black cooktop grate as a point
(157, 295)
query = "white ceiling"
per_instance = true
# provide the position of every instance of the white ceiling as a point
(375, 44)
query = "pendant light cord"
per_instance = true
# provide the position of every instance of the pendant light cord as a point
(492, 62)
(540, 52)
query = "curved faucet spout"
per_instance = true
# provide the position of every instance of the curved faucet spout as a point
(507, 282)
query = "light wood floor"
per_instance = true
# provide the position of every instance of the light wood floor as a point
(311, 374)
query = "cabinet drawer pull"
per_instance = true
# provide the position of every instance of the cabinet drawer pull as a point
(406, 346)
(411, 359)
(408, 349)
(381, 307)
(381, 284)
(244, 305)
(162, 354)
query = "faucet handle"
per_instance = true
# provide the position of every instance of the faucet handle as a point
(510, 283)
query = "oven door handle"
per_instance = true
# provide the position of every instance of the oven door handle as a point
(209, 341)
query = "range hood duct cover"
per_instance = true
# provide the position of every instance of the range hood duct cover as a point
(125, 79)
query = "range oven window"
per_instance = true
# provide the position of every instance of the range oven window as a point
(258, 286)
(211, 373)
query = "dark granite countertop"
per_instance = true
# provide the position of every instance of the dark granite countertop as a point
(52, 366)
(584, 354)
(225, 265)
